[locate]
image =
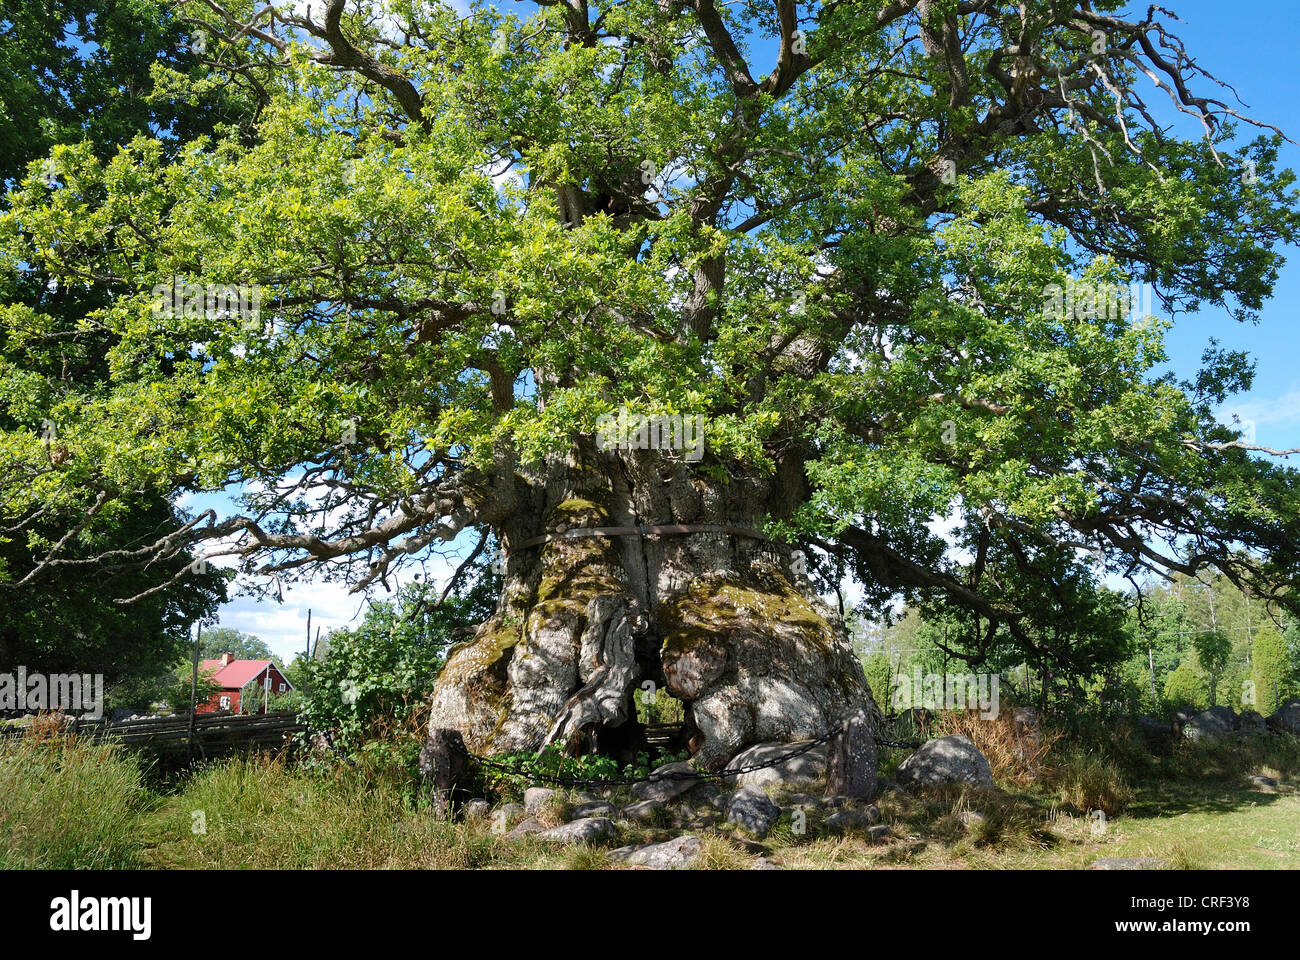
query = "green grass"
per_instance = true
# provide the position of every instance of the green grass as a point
(69, 804)
(66, 804)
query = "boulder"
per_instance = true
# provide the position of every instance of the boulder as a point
(704, 793)
(1286, 719)
(511, 812)
(667, 782)
(1252, 721)
(1264, 784)
(1211, 723)
(806, 768)
(537, 798)
(477, 809)
(526, 827)
(848, 819)
(586, 830)
(671, 855)
(594, 808)
(952, 759)
(753, 811)
(879, 832)
(643, 811)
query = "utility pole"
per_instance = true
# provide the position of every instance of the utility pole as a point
(194, 693)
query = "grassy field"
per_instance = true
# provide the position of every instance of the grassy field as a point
(68, 804)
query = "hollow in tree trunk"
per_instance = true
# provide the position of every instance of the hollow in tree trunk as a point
(722, 622)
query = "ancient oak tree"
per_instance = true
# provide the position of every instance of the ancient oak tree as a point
(881, 251)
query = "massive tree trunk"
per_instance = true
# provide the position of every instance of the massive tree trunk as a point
(722, 621)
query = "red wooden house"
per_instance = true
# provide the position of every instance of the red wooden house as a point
(242, 681)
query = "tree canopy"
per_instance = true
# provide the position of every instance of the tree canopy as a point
(79, 72)
(875, 244)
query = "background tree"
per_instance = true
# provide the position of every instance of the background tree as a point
(873, 268)
(1212, 651)
(81, 72)
(244, 646)
(1272, 671)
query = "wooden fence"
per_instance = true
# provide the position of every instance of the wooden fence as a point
(215, 734)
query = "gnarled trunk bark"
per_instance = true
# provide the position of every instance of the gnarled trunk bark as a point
(721, 621)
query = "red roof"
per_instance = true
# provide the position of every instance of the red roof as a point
(236, 674)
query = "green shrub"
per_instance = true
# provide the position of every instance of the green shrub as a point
(370, 684)
(1270, 671)
(1187, 686)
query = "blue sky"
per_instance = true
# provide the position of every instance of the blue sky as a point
(1251, 45)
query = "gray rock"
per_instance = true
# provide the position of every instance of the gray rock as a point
(753, 811)
(848, 819)
(512, 812)
(536, 798)
(526, 827)
(1211, 723)
(803, 800)
(806, 768)
(477, 809)
(1129, 863)
(762, 863)
(951, 759)
(971, 818)
(644, 811)
(721, 802)
(594, 808)
(705, 793)
(1287, 718)
(667, 782)
(880, 832)
(587, 830)
(1252, 721)
(671, 855)
(1264, 784)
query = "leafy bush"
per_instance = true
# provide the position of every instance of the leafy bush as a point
(1271, 671)
(1187, 686)
(368, 688)
(663, 707)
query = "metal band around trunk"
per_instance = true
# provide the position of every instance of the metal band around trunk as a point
(642, 530)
